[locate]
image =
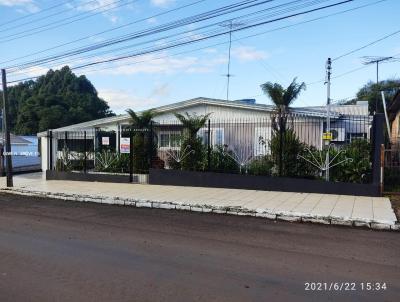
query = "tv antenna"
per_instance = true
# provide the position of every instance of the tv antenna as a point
(368, 60)
(231, 25)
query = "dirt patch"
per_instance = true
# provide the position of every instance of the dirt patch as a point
(395, 199)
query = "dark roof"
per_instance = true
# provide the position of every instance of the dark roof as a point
(394, 106)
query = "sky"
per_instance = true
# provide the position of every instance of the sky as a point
(277, 52)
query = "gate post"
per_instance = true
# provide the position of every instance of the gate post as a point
(84, 152)
(382, 167)
(130, 156)
(377, 141)
(209, 146)
(50, 143)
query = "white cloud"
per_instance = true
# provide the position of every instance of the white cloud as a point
(210, 50)
(161, 64)
(119, 100)
(21, 5)
(247, 53)
(152, 20)
(108, 8)
(161, 3)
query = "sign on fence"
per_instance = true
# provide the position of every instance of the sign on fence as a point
(124, 145)
(105, 141)
(327, 136)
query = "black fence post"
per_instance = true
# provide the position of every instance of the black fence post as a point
(209, 146)
(151, 147)
(84, 152)
(50, 142)
(280, 145)
(130, 156)
(3, 170)
(377, 141)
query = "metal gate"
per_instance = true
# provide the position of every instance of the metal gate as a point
(390, 171)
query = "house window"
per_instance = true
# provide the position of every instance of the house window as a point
(353, 136)
(216, 136)
(169, 140)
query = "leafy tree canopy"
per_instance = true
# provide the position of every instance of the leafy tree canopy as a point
(54, 100)
(371, 92)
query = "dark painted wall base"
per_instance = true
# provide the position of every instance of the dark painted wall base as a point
(58, 175)
(252, 182)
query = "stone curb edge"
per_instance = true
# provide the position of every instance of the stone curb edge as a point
(139, 203)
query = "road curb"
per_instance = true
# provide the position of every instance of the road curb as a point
(238, 211)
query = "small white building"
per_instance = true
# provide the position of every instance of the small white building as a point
(242, 123)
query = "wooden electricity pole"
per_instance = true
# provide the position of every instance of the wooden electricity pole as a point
(6, 131)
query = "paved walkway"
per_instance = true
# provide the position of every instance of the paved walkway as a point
(375, 212)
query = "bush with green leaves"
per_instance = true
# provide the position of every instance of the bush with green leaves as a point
(196, 161)
(113, 162)
(222, 161)
(191, 142)
(359, 168)
(288, 152)
(261, 165)
(350, 163)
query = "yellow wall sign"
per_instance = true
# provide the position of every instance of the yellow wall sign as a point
(327, 136)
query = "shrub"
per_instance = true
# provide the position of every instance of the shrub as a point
(359, 169)
(220, 161)
(291, 149)
(196, 160)
(262, 165)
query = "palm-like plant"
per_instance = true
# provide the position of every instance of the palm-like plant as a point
(192, 123)
(193, 144)
(143, 144)
(282, 98)
(142, 121)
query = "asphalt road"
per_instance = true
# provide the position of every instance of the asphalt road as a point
(66, 251)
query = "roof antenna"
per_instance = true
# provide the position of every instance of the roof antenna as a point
(230, 24)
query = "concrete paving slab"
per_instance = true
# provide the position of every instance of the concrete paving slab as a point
(373, 212)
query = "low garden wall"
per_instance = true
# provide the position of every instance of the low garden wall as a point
(253, 182)
(100, 177)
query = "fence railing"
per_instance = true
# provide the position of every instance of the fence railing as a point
(291, 147)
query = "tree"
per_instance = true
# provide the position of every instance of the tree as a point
(282, 99)
(144, 148)
(371, 92)
(57, 99)
(191, 143)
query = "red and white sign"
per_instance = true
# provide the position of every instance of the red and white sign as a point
(124, 145)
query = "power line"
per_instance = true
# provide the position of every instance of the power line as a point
(216, 35)
(367, 45)
(36, 13)
(203, 38)
(49, 26)
(105, 31)
(155, 30)
(48, 16)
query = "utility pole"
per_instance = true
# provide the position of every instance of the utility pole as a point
(368, 60)
(6, 130)
(328, 112)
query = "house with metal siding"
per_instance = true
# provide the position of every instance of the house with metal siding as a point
(238, 124)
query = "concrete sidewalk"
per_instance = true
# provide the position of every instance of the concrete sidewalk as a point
(374, 212)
